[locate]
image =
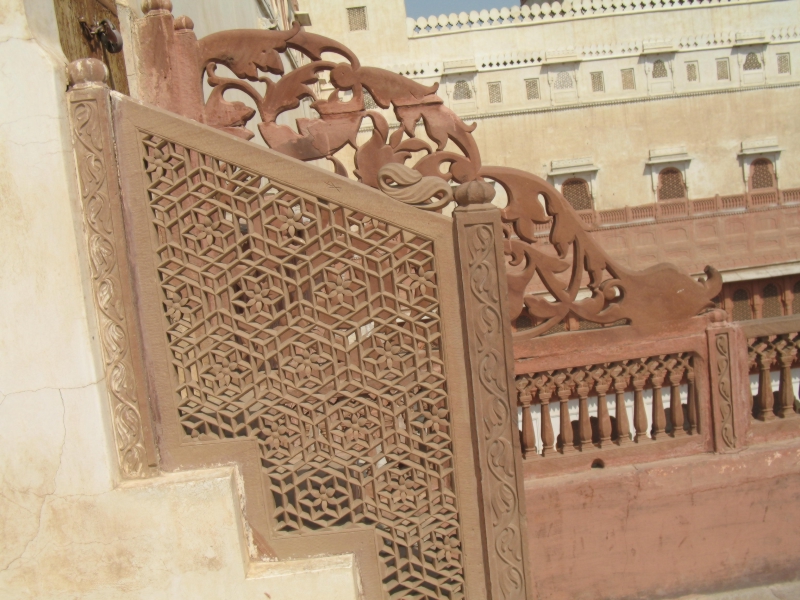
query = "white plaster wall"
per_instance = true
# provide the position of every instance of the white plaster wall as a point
(68, 527)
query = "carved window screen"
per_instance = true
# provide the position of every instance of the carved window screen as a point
(315, 331)
(692, 72)
(752, 62)
(357, 18)
(576, 191)
(670, 185)
(628, 79)
(784, 64)
(462, 91)
(495, 93)
(532, 89)
(598, 85)
(564, 81)
(742, 311)
(761, 174)
(771, 306)
(659, 70)
(723, 71)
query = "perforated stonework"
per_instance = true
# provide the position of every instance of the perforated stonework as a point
(314, 330)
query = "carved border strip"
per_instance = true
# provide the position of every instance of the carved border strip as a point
(96, 168)
(725, 387)
(494, 409)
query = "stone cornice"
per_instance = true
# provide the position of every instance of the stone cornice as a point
(489, 20)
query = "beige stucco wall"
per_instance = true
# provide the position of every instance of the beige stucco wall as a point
(616, 128)
(69, 528)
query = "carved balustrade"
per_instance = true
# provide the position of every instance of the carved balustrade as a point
(608, 405)
(772, 347)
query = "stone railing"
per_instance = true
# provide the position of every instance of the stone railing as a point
(613, 395)
(683, 209)
(581, 391)
(547, 12)
(772, 346)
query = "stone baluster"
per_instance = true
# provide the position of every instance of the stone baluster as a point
(565, 423)
(603, 382)
(582, 387)
(752, 364)
(620, 375)
(525, 396)
(639, 378)
(691, 407)
(657, 375)
(765, 357)
(675, 373)
(546, 389)
(787, 353)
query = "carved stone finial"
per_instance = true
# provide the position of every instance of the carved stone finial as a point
(156, 6)
(85, 72)
(474, 192)
(183, 23)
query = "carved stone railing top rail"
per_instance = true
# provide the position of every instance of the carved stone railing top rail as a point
(646, 300)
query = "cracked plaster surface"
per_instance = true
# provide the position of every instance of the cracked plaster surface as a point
(69, 528)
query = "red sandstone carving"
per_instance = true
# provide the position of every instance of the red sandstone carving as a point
(644, 299)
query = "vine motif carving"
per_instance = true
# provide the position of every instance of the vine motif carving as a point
(127, 423)
(571, 262)
(725, 389)
(505, 536)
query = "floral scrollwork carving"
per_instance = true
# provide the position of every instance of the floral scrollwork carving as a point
(725, 389)
(107, 288)
(447, 152)
(497, 426)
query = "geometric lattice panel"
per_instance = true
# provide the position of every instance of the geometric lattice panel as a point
(315, 330)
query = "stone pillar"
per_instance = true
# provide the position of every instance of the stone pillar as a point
(101, 203)
(490, 358)
(728, 367)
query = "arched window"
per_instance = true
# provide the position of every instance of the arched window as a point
(564, 81)
(796, 299)
(577, 193)
(670, 185)
(772, 302)
(752, 62)
(741, 306)
(659, 70)
(462, 91)
(762, 174)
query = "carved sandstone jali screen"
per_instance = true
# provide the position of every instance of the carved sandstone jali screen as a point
(320, 323)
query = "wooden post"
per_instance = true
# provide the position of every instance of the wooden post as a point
(487, 334)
